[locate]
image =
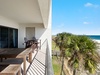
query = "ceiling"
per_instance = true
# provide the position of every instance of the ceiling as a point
(25, 11)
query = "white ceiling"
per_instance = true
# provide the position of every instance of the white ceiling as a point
(22, 11)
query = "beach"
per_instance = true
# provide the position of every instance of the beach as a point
(98, 45)
(97, 41)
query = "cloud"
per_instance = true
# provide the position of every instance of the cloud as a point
(86, 22)
(88, 5)
(91, 5)
(62, 25)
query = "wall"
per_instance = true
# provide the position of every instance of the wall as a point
(43, 34)
(30, 32)
(22, 33)
(40, 33)
(50, 28)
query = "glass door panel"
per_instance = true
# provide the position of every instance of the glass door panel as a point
(4, 37)
(8, 37)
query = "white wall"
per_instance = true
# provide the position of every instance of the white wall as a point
(22, 33)
(50, 28)
(40, 33)
(43, 34)
(30, 32)
(8, 23)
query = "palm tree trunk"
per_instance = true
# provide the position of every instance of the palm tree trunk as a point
(60, 53)
(60, 56)
(62, 65)
(74, 72)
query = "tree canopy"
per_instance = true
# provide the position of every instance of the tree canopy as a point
(80, 49)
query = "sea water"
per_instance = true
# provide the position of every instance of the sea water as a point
(95, 37)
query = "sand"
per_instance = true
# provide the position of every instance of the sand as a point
(98, 41)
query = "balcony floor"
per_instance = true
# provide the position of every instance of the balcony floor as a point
(37, 67)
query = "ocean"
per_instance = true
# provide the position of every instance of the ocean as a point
(95, 37)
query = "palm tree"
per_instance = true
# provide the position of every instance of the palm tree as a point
(82, 53)
(62, 41)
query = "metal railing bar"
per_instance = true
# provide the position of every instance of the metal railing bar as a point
(40, 62)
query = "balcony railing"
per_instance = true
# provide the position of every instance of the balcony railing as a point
(48, 62)
(42, 61)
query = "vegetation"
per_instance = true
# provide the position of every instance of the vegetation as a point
(54, 47)
(56, 66)
(80, 51)
(82, 54)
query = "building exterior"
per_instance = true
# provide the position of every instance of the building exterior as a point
(27, 18)
(20, 19)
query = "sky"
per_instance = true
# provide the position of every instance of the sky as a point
(76, 16)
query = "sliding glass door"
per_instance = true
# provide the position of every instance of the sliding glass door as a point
(3, 37)
(8, 37)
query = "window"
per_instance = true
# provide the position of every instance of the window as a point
(8, 37)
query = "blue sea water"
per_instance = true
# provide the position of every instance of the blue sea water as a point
(96, 37)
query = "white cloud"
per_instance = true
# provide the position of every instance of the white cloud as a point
(62, 25)
(91, 5)
(86, 22)
(88, 5)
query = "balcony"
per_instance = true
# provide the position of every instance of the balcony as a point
(27, 18)
(40, 64)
